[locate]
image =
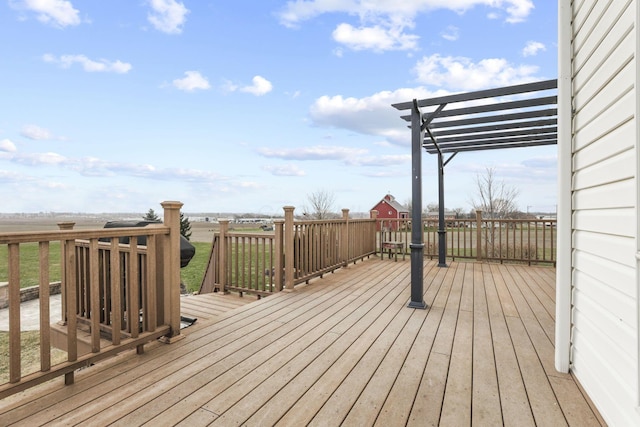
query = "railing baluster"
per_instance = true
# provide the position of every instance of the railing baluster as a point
(43, 289)
(72, 306)
(114, 282)
(133, 283)
(150, 294)
(94, 286)
(15, 353)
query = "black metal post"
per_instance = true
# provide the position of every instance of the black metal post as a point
(442, 232)
(417, 245)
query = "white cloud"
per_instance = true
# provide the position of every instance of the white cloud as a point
(451, 33)
(376, 38)
(89, 65)
(318, 152)
(8, 177)
(40, 159)
(167, 16)
(35, 132)
(370, 115)
(192, 81)
(518, 10)
(58, 13)
(378, 161)
(260, 86)
(382, 24)
(532, 48)
(460, 73)
(8, 146)
(95, 167)
(285, 170)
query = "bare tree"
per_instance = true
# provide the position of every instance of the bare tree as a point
(408, 203)
(495, 199)
(320, 205)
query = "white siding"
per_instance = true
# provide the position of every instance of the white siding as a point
(604, 315)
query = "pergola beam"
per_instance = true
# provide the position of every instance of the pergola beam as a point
(526, 124)
(488, 93)
(533, 114)
(488, 108)
(495, 136)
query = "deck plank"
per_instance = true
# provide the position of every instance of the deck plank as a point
(398, 404)
(234, 382)
(513, 396)
(329, 370)
(428, 404)
(456, 406)
(577, 411)
(537, 322)
(544, 405)
(344, 349)
(486, 408)
(137, 374)
(222, 365)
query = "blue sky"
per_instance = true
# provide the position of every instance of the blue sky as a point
(251, 105)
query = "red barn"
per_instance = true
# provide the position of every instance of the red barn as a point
(390, 208)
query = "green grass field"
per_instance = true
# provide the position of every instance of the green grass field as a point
(29, 264)
(193, 273)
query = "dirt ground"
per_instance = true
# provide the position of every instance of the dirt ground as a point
(200, 231)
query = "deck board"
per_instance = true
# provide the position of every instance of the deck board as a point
(486, 397)
(341, 350)
(513, 396)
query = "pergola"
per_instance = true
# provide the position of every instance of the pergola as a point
(523, 115)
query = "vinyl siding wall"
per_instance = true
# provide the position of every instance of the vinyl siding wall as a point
(604, 334)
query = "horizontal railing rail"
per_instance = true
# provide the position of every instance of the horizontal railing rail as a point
(263, 263)
(322, 246)
(114, 296)
(531, 240)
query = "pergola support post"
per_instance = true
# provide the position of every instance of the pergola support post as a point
(442, 232)
(417, 244)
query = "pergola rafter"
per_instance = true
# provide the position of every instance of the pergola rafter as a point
(473, 121)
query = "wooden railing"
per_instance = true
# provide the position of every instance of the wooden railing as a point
(114, 296)
(531, 241)
(297, 251)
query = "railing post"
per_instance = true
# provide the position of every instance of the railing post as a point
(67, 225)
(374, 215)
(279, 254)
(288, 247)
(478, 235)
(222, 254)
(345, 237)
(172, 279)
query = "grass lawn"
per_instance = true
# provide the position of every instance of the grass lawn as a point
(29, 264)
(193, 273)
(30, 343)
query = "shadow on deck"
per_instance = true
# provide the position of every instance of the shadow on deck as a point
(344, 349)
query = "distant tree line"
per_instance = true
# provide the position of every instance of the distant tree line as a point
(185, 225)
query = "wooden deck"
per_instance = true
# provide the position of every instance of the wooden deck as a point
(343, 350)
(207, 308)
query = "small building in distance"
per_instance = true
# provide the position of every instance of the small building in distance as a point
(390, 208)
